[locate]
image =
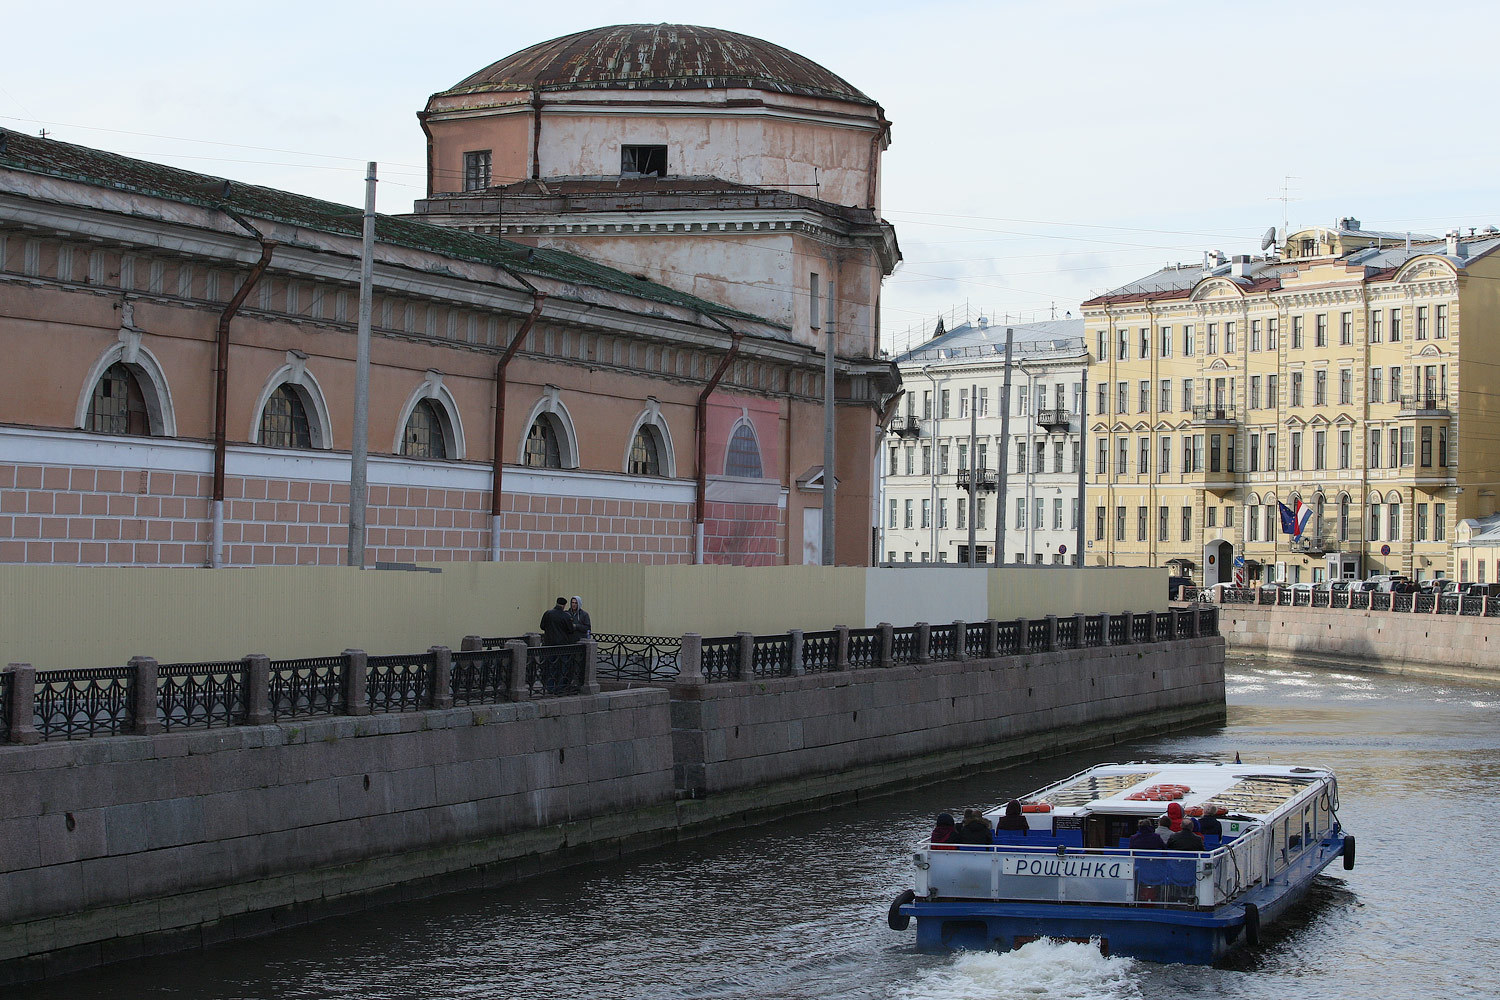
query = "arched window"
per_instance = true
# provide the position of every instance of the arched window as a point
(1393, 518)
(1343, 517)
(645, 453)
(423, 437)
(743, 457)
(118, 405)
(542, 448)
(283, 422)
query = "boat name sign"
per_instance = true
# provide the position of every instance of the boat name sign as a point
(1111, 868)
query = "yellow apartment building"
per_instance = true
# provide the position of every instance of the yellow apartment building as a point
(1353, 371)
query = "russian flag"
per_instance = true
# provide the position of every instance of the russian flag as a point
(1300, 516)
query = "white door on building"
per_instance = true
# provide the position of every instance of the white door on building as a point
(812, 536)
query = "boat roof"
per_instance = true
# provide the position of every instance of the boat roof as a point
(1252, 790)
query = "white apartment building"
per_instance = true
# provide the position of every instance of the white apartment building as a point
(928, 462)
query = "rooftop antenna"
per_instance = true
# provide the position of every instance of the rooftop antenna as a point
(1285, 198)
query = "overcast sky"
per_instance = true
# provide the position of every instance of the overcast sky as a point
(1041, 153)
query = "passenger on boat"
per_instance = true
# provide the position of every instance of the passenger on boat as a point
(1145, 838)
(1013, 820)
(945, 832)
(1164, 829)
(1209, 825)
(1185, 839)
(976, 829)
(1174, 815)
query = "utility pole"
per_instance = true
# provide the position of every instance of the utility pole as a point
(1000, 495)
(976, 472)
(359, 452)
(828, 442)
(1083, 454)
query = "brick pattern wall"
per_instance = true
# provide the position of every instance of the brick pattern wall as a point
(77, 516)
(743, 534)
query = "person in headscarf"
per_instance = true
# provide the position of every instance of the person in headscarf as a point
(1013, 820)
(1174, 815)
(945, 833)
(582, 627)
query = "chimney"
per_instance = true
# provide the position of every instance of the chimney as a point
(1452, 243)
(1241, 267)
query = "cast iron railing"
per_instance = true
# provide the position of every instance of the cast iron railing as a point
(942, 643)
(1093, 631)
(1401, 602)
(480, 677)
(1008, 638)
(1067, 633)
(308, 686)
(554, 671)
(200, 695)
(771, 656)
(820, 651)
(1140, 628)
(1449, 604)
(975, 636)
(1470, 605)
(399, 683)
(903, 645)
(1116, 630)
(1036, 634)
(70, 704)
(864, 647)
(721, 659)
(643, 658)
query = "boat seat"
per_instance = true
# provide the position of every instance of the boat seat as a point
(1166, 871)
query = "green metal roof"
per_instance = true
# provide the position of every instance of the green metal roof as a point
(96, 167)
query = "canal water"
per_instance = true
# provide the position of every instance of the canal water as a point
(796, 909)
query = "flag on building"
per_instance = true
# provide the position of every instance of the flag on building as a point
(1288, 519)
(1294, 521)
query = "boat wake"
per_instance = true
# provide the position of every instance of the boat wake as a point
(1040, 969)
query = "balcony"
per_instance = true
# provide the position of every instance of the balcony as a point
(1214, 416)
(907, 426)
(1220, 480)
(1425, 404)
(976, 480)
(1054, 420)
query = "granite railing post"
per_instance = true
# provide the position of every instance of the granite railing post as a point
(690, 659)
(518, 689)
(471, 644)
(442, 677)
(1051, 633)
(143, 721)
(23, 703)
(257, 690)
(356, 676)
(794, 654)
(841, 647)
(1023, 635)
(533, 638)
(1127, 632)
(960, 640)
(590, 667)
(1104, 629)
(1176, 622)
(746, 663)
(886, 657)
(1195, 627)
(923, 653)
(991, 638)
(1078, 641)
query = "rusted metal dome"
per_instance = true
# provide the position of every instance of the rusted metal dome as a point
(658, 57)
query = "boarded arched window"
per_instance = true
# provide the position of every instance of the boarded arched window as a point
(743, 458)
(118, 406)
(283, 423)
(424, 436)
(542, 449)
(645, 453)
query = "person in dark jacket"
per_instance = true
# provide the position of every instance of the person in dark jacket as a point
(976, 829)
(945, 832)
(557, 627)
(1013, 820)
(1145, 838)
(582, 627)
(1185, 839)
(1209, 825)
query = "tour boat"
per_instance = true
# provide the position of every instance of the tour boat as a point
(1071, 875)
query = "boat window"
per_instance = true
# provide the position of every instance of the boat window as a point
(1262, 794)
(1324, 824)
(1307, 823)
(1090, 786)
(1286, 843)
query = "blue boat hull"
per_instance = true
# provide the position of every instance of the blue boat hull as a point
(1155, 934)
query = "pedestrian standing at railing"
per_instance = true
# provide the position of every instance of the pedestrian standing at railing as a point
(582, 627)
(557, 625)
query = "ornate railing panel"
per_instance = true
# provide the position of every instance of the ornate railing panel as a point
(1185, 625)
(1284, 597)
(1492, 608)
(1008, 638)
(553, 671)
(80, 703)
(1036, 634)
(399, 683)
(1208, 621)
(1423, 604)
(637, 657)
(200, 695)
(903, 645)
(1237, 595)
(1359, 600)
(1448, 604)
(975, 634)
(1471, 606)
(1093, 631)
(820, 651)
(1163, 630)
(864, 648)
(480, 677)
(1380, 601)
(499, 641)
(721, 658)
(1338, 599)
(1116, 630)
(942, 643)
(1187, 593)
(1140, 628)
(1401, 602)
(309, 686)
(1067, 633)
(1320, 598)
(771, 656)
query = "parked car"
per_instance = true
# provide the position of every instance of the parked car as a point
(1175, 585)
(1439, 586)
(1479, 590)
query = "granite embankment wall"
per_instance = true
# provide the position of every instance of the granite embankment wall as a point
(118, 846)
(1386, 641)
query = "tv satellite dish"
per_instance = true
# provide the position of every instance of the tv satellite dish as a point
(1269, 239)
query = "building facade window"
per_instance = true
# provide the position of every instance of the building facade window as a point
(118, 406)
(742, 459)
(283, 423)
(424, 436)
(645, 453)
(477, 170)
(643, 161)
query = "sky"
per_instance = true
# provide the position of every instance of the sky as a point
(1041, 152)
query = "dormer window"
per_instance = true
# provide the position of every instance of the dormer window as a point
(643, 161)
(1309, 248)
